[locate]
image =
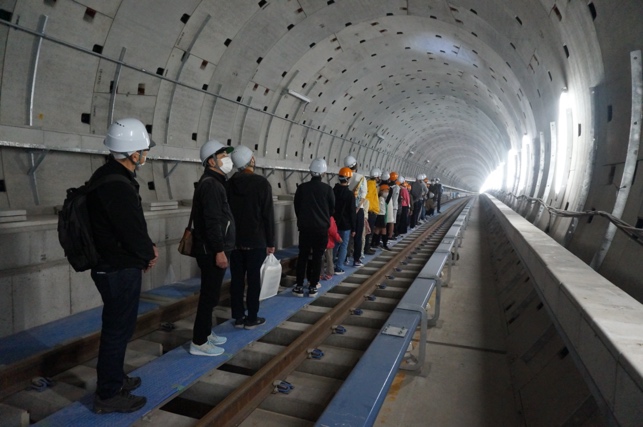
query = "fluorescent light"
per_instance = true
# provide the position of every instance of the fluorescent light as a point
(299, 96)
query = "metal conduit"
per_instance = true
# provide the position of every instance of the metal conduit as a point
(151, 74)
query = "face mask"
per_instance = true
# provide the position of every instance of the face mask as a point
(385, 195)
(144, 158)
(226, 165)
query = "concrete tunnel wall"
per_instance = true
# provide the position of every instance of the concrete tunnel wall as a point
(456, 84)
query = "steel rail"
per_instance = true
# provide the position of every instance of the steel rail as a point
(17, 376)
(243, 400)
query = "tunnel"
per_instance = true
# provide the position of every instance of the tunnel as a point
(537, 103)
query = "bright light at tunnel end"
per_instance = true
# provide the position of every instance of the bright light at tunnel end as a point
(495, 179)
(562, 138)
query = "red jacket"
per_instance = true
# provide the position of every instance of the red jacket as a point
(333, 235)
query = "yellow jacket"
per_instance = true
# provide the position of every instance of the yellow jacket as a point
(371, 196)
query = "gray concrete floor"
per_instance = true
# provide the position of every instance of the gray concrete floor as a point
(465, 380)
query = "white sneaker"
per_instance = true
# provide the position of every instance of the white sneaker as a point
(216, 339)
(206, 349)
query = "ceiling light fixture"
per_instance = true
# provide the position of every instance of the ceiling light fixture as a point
(299, 96)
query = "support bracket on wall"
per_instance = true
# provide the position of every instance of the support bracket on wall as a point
(166, 172)
(35, 160)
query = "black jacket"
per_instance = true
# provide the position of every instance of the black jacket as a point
(250, 199)
(314, 204)
(118, 224)
(436, 189)
(214, 229)
(345, 212)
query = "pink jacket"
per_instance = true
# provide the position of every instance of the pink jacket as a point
(405, 198)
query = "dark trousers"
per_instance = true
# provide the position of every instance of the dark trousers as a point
(371, 225)
(245, 267)
(312, 244)
(359, 233)
(403, 226)
(438, 200)
(417, 208)
(211, 280)
(120, 291)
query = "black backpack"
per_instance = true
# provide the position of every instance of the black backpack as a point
(74, 228)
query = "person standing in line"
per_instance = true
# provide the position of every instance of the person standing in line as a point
(125, 252)
(417, 192)
(359, 188)
(314, 204)
(425, 196)
(438, 194)
(373, 210)
(250, 199)
(380, 221)
(213, 240)
(392, 205)
(345, 215)
(405, 202)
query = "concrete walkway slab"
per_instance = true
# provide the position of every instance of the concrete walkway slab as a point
(466, 379)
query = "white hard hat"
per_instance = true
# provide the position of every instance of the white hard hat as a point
(211, 148)
(437, 179)
(385, 176)
(350, 161)
(318, 167)
(376, 172)
(420, 177)
(241, 156)
(127, 136)
(401, 180)
(423, 176)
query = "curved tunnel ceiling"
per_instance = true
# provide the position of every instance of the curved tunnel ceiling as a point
(449, 87)
(418, 81)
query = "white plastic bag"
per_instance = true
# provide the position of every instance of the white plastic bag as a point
(270, 277)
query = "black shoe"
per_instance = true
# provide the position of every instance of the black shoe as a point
(298, 291)
(240, 323)
(312, 291)
(131, 383)
(122, 402)
(253, 324)
(370, 252)
(386, 248)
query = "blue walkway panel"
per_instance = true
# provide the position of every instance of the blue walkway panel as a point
(31, 342)
(360, 398)
(34, 341)
(167, 376)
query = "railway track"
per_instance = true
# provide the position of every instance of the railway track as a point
(283, 378)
